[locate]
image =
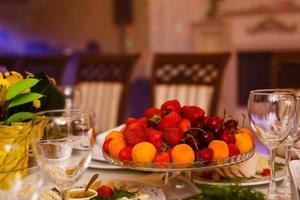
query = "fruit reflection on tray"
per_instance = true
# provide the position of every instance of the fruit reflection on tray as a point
(176, 136)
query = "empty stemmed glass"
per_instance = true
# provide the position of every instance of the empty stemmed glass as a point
(293, 136)
(271, 113)
(72, 96)
(64, 150)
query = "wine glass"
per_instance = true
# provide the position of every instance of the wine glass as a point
(64, 150)
(72, 96)
(271, 113)
(293, 136)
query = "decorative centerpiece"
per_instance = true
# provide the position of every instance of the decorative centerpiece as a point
(175, 137)
(20, 97)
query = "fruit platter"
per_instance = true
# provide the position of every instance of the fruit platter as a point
(178, 138)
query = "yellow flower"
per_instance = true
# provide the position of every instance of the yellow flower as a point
(37, 103)
(13, 77)
(3, 82)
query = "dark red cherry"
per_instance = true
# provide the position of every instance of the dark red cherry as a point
(227, 137)
(206, 155)
(193, 142)
(207, 137)
(215, 123)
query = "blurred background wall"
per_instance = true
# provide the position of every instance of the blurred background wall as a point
(32, 26)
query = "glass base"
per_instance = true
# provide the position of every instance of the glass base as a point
(179, 187)
(278, 196)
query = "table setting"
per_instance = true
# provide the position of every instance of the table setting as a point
(172, 152)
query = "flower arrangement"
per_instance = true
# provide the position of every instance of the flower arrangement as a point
(20, 97)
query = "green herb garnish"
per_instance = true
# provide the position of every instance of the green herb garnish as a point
(118, 194)
(237, 179)
(227, 193)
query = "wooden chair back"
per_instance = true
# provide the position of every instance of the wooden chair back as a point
(10, 62)
(53, 65)
(104, 82)
(285, 70)
(193, 79)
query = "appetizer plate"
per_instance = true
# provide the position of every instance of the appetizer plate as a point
(259, 180)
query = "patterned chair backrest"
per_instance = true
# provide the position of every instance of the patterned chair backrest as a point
(53, 65)
(193, 79)
(285, 70)
(104, 81)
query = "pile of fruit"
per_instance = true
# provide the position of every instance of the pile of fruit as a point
(178, 134)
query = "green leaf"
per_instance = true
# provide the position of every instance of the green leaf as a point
(24, 98)
(20, 86)
(19, 117)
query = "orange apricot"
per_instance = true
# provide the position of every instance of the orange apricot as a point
(220, 149)
(115, 146)
(114, 135)
(143, 152)
(243, 142)
(182, 153)
(246, 131)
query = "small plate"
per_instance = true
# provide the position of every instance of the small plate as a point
(103, 165)
(261, 180)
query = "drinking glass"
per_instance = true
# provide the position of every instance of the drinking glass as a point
(72, 96)
(64, 150)
(271, 113)
(293, 136)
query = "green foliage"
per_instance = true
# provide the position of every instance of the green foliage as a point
(227, 193)
(24, 98)
(19, 103)
(20, 87)
(19, 117)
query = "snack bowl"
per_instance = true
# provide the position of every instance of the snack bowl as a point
(80, 194)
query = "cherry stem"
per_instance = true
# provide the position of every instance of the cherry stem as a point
(199, 129)
(190, 135)
(244, 117)
(224, 114)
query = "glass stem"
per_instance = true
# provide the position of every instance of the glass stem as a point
(287, 162)
(272, 185)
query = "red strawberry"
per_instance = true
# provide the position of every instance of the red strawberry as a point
(266, 172)
(139, 123)
(169, 121)
(153, 134)
(125, 153)
(158, 144)
(150, 112)
(171, 106)
(173, 136)
(192, 113)
(131, 120)
(134, 136)
(105, 191)
(184, 125)
(233, 150)
(162, 157)
(169, 151)
(106, 144)
(206, 155)
(143, 122)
